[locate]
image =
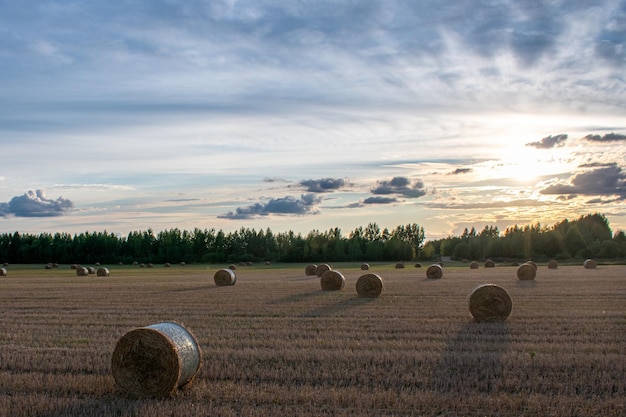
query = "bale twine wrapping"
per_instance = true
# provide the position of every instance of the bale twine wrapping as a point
(103, 272)
(490, 264)
(435, 271)
(553, 264)
(590, 264)
(490, 302)
(526, 272)
(332, 280)
(369, 285)
(365, 267)
(81, 271)
(225, 277)
(154, 361)
(310, 269)
(321, 269)
(3, 272)
(474, 265)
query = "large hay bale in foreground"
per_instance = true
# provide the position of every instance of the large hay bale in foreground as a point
(81, 271)
(553, 264)
(474, 265)
(154, 361)
(225, 277)
(435, 271)
(590, 264)
(332, 280)
(321, 269)
(103, 272)
(310, 269)
(490, 302)
(526, 272)
(365, 267)
(369, 285)
(490, 264)
(3, 272)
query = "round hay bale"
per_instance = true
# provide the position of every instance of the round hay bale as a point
(526, 272)
(154, 361)
(74, 266)
(590, 264)
(103, 272)
(332, 280)
(3, 272)
(142, 265)
(369, 286)
(150, 265)
(490, 302)
(310, 269)
(97, 264)
(81, 271)
(533, 263)
(5, 264)
(418, 265)
(553, 264)
(232, 267)
(365, 267)
(268, 263)
(167, 265)
(321, 269)
(435, 271)
(474, 265)
(400, 265)
(183, 263)
(490, 264)
(91, 270)
(225, 277)
(48, 266)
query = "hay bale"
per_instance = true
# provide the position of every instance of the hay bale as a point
(590, 264)
(268, 263)
(533, 263)
(474, 265)
(150, 265)
(91, 270)
(553, 264)
(435, 271)
(225, 277)
(103, 272)
(418, 265)
(142, 265)
(48, 266)
(332, 280)
(167, 265)
(81, 271)
(321, 269)
(156, 360)
(183, 263)
(400, 265)
(526, 272)
(369, 286)
(490, 264)
(232, 267)
(310, 269)
(490, 302)
(365, 267)
(3, 272)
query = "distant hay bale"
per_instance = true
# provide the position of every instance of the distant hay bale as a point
(232, 267)
(48, 266)
(474, 265)
(167, 265)
(135, 263)
(310, 269)
(5, 264)
(490, 264)
(103, 272)
(267, 263)
(249, 263)
(418, 265)
(156, 360)
(553, 264)
(369, 286)
(142, 265)
(526, 272)
(435, 271)
(365, 267)
(3, 272)
(590, 264)
(332, 280)
(97, 264)
(225, 277)
(149, 265)
(490, 302)
(81, 271)
(400, 265)
(321, 269)
(183, 263)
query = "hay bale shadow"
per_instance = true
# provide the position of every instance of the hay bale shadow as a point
(297, 298)
(338, 307)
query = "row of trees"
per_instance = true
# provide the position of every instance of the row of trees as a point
(586, 237)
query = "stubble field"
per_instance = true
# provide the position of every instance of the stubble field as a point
(274, 344)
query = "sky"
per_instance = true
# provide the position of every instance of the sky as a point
(309, 115)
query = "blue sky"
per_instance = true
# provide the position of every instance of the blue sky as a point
(303, 115)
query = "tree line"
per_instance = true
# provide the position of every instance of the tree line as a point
(587, 237)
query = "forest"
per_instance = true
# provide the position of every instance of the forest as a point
(589, 236)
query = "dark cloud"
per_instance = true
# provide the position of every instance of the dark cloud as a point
(549, 142)
(380, 200)
(609, 137)
(35, 204)
(606, 181)
(461, 171)
(323, 185)
(285, 205)
(401, 186)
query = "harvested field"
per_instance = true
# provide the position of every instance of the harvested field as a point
(276, 344)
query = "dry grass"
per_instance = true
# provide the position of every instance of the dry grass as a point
(275, 344)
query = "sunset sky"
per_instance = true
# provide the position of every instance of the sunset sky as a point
(302, 115)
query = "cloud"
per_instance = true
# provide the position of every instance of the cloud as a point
(380, 200)
(285, 205)
(549, 142)
(35, 204)
(401, 186)
(609, 137)
(487, 205)
(607, 181)
(461, 171)
(323, 185)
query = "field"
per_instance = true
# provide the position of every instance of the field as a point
(274, 344)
